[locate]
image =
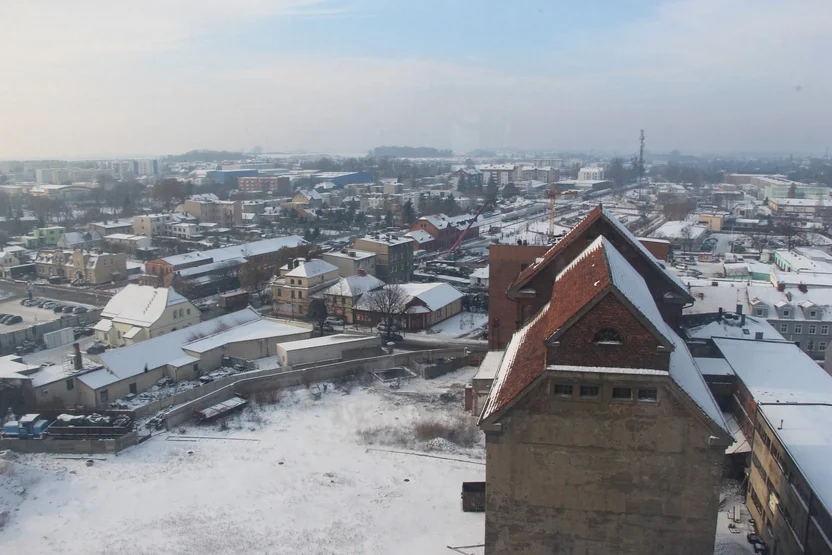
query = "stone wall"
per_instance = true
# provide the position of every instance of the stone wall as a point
(573, 476)
(246, 384)
(70, 446)
(430, 369)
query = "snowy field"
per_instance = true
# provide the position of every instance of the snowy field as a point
(298, 476)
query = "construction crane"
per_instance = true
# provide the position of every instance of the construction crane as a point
(462, 235)
(553, 195)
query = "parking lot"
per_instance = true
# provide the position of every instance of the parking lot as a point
(30, 314)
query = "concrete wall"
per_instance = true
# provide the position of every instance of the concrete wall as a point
(577, 476)
(292, 357)
(434, 368)
(70, 446)
(270, 380)
(10, 340)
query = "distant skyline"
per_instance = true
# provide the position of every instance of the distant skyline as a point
(96, 78)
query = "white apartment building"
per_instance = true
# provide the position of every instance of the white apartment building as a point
(500, 174)
(591, 174)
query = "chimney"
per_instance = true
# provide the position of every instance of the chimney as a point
(739, 309)
(742, 319)
(362, 272)
(719, 315)
(77, 360)
(352, 254)
(758, 336)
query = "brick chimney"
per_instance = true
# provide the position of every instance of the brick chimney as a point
(77, 360)
(362, 272)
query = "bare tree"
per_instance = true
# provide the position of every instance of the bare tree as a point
(318, 313)
(686, 234)
(390, 303)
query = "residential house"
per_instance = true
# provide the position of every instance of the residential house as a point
(48, 236)
(601, 433)
(307, 199)
(140, 312)
(90, 266)
(299, 280)
(342, 297)
(79, 240)
(226, 213)
(394, 256)
(423, 305)
(128, 241)
(8, 260)
(801, 314)
(498, 174)
(351, 261)
(422, 240)
(152, 225)
(107, 227)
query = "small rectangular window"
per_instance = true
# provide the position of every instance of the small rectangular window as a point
(70, 385)
(784, 328)
(563, 390)
(589, 391)
(824, 330)
(813, 329)
(798, 328)
(648, 394)
(786, 313)
(622, 393)
(132, 388)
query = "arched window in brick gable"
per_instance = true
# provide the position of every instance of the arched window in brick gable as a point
(608, 336)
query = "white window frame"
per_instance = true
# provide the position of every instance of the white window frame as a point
(813, 329)
(798, 328)
(784, 328)
(824, 329)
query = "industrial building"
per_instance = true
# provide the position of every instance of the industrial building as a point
(331, 348)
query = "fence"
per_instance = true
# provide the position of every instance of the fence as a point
(70, 446)
(34, 333)
(270, 380)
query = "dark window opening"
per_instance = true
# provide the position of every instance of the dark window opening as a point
(622, 393)
(563, 390)
(589, 391)
(648, 394)
(133, 389)
(70, 385)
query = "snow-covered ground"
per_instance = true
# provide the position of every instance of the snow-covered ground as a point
(728, 542)
(460, 325)
(301, 476)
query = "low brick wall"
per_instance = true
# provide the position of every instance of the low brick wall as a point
(70, 446)
(246, 384)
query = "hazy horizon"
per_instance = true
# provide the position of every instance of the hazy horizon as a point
(98, 79)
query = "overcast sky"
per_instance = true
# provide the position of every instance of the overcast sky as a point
(118, 77)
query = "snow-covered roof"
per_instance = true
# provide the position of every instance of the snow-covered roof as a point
(312, 268)
(255, 248)
(731, 325)
(768, 295)
(805, 431)
(434, 295)
(676, 230)
(351, 254)
(439, 221)
(141, 305)
(126, 362)
(104, 325)
(420, 236)
(132, 332)
(255, 329)
(809, 279)
(714, 366)
(801, 263)
(337, 339)
(689, 378)
(10, 369)
(481, 273)
(353, 286)
(489, 365)
(212, 267)
(777, 372)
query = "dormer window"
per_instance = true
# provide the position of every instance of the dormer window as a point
(813, 314)
(787, 313)
(607, 336)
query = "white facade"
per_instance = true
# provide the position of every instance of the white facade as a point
(591, 174)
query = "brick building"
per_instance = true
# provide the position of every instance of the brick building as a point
(530, 289)
(601, 433)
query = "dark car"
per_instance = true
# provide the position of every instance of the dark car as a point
(79, 309)
(5, 318)
(96, 349)
(14, 319)
(58, 308)
(68, 309)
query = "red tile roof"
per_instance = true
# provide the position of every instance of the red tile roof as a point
(525, 359)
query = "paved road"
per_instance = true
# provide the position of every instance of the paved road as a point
(83, 296)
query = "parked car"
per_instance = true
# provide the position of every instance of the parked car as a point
(49, 305)
(333, 321)
(96, 349)
(5, 318)
(68, 309)
(58, 308)
(15, 319)
(79, 309)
